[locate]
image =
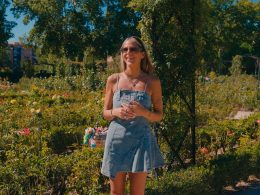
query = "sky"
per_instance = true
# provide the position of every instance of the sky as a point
(20, 29)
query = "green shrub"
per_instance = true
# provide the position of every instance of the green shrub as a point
(229, 169)
(57, 170)
(27, 68)
(24, 172)
(211, 178)
(190, 181)
(86, 177)
(61, 138)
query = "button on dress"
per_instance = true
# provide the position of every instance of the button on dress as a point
(130, 144)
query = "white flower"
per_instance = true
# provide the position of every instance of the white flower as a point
(38, 111)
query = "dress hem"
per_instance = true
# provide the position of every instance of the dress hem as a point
(126, 171)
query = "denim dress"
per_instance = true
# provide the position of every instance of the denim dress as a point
(130, 144)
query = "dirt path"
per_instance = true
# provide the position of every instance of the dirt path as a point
(249, 187)
(252, 190)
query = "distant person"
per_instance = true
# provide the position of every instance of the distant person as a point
(130, 146)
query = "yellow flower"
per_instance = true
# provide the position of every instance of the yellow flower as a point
(34, 88)
(38, 111)
(54, 97)
(13, 101)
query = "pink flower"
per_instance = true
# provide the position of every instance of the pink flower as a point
(204, 150)
(66, 95)
(26, 131)
(258, 121)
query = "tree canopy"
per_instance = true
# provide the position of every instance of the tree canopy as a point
(233, 28)
(5, 26)
(69, 28)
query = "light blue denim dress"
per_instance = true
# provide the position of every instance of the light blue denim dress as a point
(130, 144)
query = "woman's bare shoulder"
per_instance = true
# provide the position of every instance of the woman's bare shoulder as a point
(153, 84)
(153, 79)
(113, 78)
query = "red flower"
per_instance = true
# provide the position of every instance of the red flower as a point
(204, 150)
(230, 133)
(66, 95)
(26, 131)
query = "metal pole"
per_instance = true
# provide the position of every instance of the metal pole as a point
(258, 80)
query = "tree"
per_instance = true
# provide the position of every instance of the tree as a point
(69, 28)
(5, 27)
(233, 28)
(183, 41)
(173, 36)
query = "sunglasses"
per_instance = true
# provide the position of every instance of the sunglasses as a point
(130, 49)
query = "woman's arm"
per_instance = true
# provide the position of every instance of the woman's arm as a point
(108, 104)
(108, 112)
(157, 113)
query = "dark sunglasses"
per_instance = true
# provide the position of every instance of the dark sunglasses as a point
(130, 49)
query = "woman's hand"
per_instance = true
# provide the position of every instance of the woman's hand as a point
(137, 108)
(124, 112)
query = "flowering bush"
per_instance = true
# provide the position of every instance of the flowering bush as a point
(43, 121)
(41, 135)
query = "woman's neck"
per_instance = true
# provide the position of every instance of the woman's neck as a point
(132, 73)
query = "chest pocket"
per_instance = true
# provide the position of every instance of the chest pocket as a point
(125, 98)
(140, 97)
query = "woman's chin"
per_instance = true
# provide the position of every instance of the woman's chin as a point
(130, 64)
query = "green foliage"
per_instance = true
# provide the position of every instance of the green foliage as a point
(218, 100)
(60, 139)
(209, 179)
(232, 28)
(190, 181)
(223, 96)
(175, 63)
(86, 170)
(30, 173)
(182, 41)
(51, 158)
(5, 26)
(69, 28)
(5, 33)
(236, 67)
(27, 68)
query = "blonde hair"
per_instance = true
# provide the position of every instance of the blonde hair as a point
(146, 64)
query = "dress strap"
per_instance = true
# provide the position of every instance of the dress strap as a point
(117, 81)
(145, 86)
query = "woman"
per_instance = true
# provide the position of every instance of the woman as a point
(130, 146)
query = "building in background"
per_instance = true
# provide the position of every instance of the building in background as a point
(19, 53)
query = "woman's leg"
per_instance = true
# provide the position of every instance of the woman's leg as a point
(117, 186)
(137, 183)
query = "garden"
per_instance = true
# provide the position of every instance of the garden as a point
(43, 122)
(206, 54)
